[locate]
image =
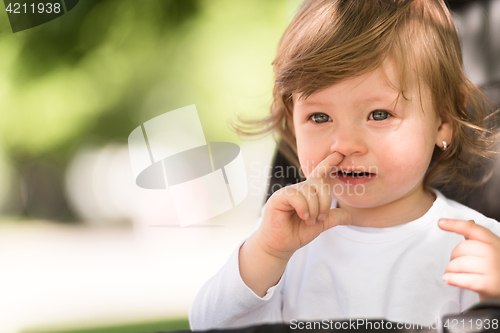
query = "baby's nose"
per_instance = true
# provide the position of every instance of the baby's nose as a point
(348, 142)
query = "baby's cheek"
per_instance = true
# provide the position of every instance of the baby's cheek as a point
(405, 159)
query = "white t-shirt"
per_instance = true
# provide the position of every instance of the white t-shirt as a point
(351, 272)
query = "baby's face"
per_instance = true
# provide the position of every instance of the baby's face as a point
(360, 118)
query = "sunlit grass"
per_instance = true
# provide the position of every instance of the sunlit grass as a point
(161, 326)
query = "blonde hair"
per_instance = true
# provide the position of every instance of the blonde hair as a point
(332, 40)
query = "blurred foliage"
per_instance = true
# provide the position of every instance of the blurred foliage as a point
(97, 72)
(165, 326)
(94, 74)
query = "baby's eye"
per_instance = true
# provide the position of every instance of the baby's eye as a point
(379, 115)
(319, 118)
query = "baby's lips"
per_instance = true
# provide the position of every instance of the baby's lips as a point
(336, 172)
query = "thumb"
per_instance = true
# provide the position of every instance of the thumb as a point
(337, 216)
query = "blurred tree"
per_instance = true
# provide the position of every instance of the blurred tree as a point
(91, 76)
(80, 74)
(78, 79)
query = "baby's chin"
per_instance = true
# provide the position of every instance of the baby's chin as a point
(358, 200)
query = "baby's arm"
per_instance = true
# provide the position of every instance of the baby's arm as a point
(225, 301)
(293, 217)
(260, 270)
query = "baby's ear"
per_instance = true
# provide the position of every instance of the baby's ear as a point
(445, 130)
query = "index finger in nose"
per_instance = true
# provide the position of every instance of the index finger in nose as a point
(323, 169)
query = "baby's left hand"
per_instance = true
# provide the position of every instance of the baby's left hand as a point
(475, 262)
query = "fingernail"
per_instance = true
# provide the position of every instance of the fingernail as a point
(442, 222)
(446, 278)
(336, 153)
(313, 222)
(346, 218)
(322, 217)
(306, 216)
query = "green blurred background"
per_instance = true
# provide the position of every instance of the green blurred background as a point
(88, 78)
(72, 90)
(94, 74)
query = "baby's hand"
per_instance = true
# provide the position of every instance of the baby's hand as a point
(475, 262)
(297, 214)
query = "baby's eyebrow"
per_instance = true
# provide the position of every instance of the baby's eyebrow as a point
(385, 97)
(309, 102)
(369, 99)
(376, 98)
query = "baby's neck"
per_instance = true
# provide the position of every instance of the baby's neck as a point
(404, 210)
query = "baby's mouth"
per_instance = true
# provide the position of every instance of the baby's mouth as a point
(352, 174)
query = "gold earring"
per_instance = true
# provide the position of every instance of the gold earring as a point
(444, 146)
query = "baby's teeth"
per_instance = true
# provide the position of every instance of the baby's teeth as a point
(351, 172)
